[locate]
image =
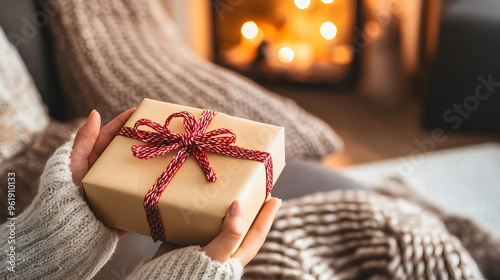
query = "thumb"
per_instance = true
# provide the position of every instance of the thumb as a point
(83, 145)
(222, 246)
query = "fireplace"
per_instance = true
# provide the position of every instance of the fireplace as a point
(303, 41)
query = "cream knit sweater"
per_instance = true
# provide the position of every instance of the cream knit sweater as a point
(58, 237)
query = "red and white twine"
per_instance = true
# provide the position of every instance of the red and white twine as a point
(162, 140)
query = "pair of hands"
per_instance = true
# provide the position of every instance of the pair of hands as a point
(90, 142)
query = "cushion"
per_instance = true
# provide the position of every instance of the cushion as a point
(22, 113)
(112, 54)
(301, 178)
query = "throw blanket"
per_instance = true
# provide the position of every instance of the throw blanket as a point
(389, 234)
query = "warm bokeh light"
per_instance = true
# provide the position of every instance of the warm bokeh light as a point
(304, 56)
(296, 40)
(286, 55)
(328, 30)
(302, 4)
(249, 30)
(372, 28)
(342, 54)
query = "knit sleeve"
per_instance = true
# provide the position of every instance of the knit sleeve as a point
(188, 263)
(57, 236)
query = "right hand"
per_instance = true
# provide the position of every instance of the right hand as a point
(221, 247)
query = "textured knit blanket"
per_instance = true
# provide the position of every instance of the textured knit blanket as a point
(387, 234)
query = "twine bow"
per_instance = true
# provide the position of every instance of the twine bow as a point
(162, 140)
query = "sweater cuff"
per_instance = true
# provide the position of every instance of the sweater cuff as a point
(188, 263)
(60, 224)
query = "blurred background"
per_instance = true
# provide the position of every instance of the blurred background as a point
(390, 76)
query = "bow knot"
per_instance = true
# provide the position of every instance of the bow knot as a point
(188, 140)
(160, 140)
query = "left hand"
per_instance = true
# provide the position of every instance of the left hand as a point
(91, 140)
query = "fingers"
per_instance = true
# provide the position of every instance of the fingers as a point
(221, 247)
(83, 145)
(107, 133)
(90, 142)
(258, 231)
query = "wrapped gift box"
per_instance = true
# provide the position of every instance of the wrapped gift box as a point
(191, 208)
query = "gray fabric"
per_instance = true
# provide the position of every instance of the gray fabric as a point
(23, 23)
(300, 178)
(463, 87)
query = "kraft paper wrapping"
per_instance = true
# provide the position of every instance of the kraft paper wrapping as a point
(191, 208)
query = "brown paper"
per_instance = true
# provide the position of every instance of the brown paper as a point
(191, 208)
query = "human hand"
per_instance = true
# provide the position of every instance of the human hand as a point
(91, 140)
(221, 247)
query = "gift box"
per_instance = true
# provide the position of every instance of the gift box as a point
(191, 208)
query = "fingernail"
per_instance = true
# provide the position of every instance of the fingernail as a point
(236, 209)
(91, 112)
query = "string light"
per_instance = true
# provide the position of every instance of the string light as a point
(249, 30)
(286, 55)
(327, 1)
(302, 4)
(328, 30)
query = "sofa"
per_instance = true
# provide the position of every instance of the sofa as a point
(136, 53)
(23, 23)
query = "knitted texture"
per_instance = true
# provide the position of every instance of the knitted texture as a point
(22, 113)
(188, 263)
(57, 236)
(30, 162)
(359, 235)
(335, 235)
(482, 245)
(112, 54)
